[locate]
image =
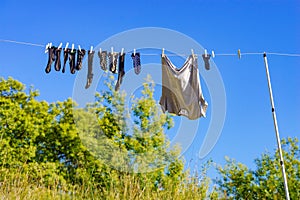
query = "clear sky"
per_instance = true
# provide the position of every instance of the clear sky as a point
(223, 26)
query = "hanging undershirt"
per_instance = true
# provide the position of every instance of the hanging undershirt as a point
(181, 89)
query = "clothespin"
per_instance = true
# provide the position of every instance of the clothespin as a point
(100, 50)
(205, 53)
(112, 50)
(79, 48)
(72, 48)
(239, 54)
(122, 51)
(66, 47)
(60, 45)
(46, 48)
(91, 50)
(192, 50)
(163, 52)
(213, 54)
(134, 52)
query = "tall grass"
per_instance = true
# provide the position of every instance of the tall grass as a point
(20, 186)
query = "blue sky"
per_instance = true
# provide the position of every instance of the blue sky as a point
(223, 26)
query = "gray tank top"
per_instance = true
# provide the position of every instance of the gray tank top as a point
(181, 89)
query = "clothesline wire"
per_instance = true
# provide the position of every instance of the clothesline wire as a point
(283, 54)
(25, 43)
(171, 54)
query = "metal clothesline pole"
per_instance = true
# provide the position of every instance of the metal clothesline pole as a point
(287, 195)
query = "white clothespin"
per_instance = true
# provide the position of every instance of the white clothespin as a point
(192, 50)
(72, 48)
(100, 50)
(122, 51)
(205, 53)
(134, 52)
(46, 48)
(79, 48)
(60, 45)
(66, 47)
(213, 54)
(239, 54)
(163, 52)
(91, 50)
(112, 50)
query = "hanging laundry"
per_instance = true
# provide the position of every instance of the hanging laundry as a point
(51, 58)
(90, 69)
(136, 62)
(80, 55)
(121, 71)
(72, 61)
(206, 61)
(103, 59)
(181, 89)
(66, 53)
(113, 60)
(57, 59)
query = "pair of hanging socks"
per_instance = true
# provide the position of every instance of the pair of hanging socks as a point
(136, 62)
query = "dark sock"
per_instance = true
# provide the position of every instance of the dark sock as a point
(136, 62)
(66, 52)
(206, 61)
(57, 60)
(121, 72)
(80, 55)
(103, 59)
(72, 61)
(90, 69)
(113, 60)
(51, 58)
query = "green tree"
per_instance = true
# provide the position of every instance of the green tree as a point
(60, 146)
(141, 148)
(39, 139)
(265, 182)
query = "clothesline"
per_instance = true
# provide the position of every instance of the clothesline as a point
(172, 54)
(25, 43)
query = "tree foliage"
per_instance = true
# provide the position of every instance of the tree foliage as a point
(265, 182)
(93, 152)
(60, 146)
